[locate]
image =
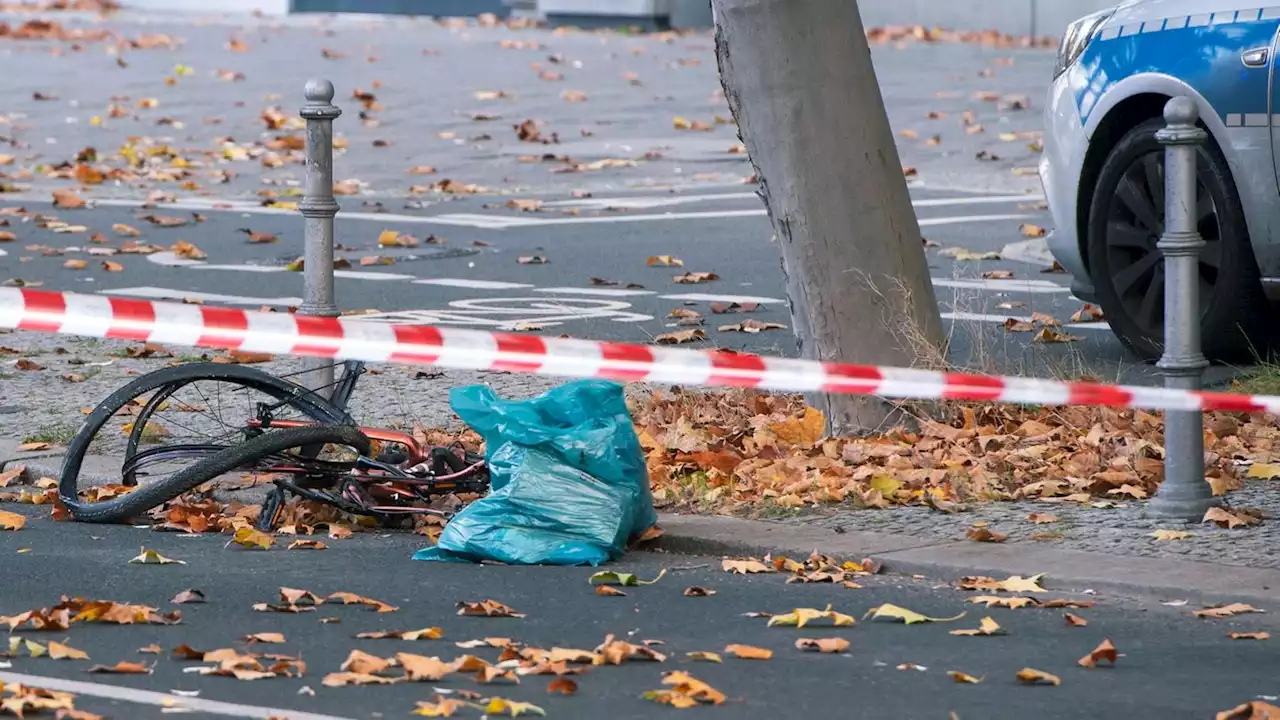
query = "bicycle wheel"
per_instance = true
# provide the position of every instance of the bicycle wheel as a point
(263, 449)
(184, 413)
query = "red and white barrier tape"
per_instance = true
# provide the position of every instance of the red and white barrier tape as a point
(355, 339)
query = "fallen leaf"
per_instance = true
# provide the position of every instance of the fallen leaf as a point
(1014, 584)
(75, 264)
(752, 326)
(982, 534)
(988, 626)
(1170, 534)
(1105, 651)
(1031, 676)
(342, 679)
(680, 337)
(664, 261)
(748, 652)
(1254, 710)
(696, 591)
(1053, 335)
(1074, 620)
(1013, 603)
(686, 691)
(1231, 520)
(695, 278)
(430, 633)
(1087, 314)
(744, 567)
(963, 677)
(1032, 231)
(487, 608)
(562, 685)
(259, 238)
(252, 538)
(803, 616)
(913, 666)
(510, 708)
(609, 591)
(58, 651)
(823, 645)
(703, 656)
(1042, 518)
(121, 668)
(1264, 471)
(151, 557)
(533, 260)
(188, 596)
(11, 520)
(1232, 635)
(306, 544)
(418, 668)
(963, 254)
(1222, 611)
(610, 577)
(67, 199)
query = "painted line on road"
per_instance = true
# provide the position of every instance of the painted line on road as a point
(156, 293)
(473, 284)
(148, 697)
(1002, 319)
(602, 292)
(740, 299)
(669, 200)
(1033, 287)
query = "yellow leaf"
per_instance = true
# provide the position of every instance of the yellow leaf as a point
(885, 484)
(908, 617)
(1013, 603)
(251, 538)
(35, 648)
(151, 557)
(963, 677)
(802, 616)
(1031, 676)
(1249, 636)
(988, 626)
(704, 656)
(1263, 471)
(511, 708)
(58, 651)
(11, 520)
(1171, 535)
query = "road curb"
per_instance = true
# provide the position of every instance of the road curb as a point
(1065, 570)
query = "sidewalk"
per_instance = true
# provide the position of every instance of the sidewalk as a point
(1165, 577)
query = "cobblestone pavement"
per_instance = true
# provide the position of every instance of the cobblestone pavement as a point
(1119, 531)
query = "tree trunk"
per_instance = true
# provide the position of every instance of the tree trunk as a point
(799, 80)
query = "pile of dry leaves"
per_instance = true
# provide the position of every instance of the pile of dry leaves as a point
(743, 451)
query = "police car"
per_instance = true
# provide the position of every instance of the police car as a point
(1103, 170)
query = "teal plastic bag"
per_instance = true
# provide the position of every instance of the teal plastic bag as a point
(569, 482)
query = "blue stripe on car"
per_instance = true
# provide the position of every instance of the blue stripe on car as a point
(1201, 50)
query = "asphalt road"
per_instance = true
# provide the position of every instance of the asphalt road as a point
(968, 118)
(1173, 664)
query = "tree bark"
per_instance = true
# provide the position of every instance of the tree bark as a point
(799, 79)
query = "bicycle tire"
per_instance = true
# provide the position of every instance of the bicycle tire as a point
(139, 501)
(306, 401)
(195, 372)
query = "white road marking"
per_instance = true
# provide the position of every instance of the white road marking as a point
(371, 275)
(668, 200)
(513, 313)
(1033, 287)
(1001, 319)
(956, 220)
(156, 293)
(473, 284)
(603, 292)
(235, 268)
(147, 697)
(702, 297)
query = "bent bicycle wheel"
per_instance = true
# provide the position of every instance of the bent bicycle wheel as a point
(165, 420)
(266, 450)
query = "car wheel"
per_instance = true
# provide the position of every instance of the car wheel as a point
(1126, 219)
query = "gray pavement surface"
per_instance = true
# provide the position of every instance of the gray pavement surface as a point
(1172, 664)
(658, 191)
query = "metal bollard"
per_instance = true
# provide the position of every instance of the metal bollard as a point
(1184, 494)
(318, 206)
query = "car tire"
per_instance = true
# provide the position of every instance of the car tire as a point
(1234, 310)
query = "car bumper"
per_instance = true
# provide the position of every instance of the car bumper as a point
(1061, 165)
